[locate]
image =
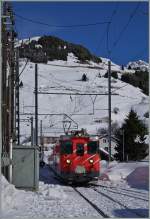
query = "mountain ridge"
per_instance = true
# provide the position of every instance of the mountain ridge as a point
(49, 48)
(35, 49)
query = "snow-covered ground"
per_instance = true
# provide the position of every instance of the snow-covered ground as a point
(139, 64)
(65, 77)
(122, 194)
(133, 174)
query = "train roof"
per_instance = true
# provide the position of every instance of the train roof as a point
(77, 134)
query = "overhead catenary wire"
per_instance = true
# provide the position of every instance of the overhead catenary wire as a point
(25, 65)
(109, 82)
(109, 51)
(82, 94)
(108, 28)
(61, 26)
(106, 32)
(125, 26)
(120, 87)
(101, 40)
(23, 68)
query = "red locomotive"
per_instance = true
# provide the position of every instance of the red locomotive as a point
(75, 157)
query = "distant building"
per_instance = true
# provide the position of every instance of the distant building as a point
(104, 143)
(48, 139)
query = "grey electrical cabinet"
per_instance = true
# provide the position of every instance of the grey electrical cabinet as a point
(25, 167)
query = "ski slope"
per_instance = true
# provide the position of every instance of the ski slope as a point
(65, 77)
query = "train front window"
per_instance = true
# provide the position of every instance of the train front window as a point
(66, 147)
(92, 147)
(80, 149)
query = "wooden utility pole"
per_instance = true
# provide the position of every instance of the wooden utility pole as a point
(109, 108)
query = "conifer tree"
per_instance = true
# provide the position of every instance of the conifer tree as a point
(135, 147)
(84, 77)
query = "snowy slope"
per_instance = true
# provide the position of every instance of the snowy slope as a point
(138, 64)
(65, 77)
(26, 41)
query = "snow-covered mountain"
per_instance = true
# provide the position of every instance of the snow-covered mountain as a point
(88, 111)
(138, 65)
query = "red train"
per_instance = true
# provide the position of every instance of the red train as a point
(75, 157)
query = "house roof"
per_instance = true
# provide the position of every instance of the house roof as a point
(106, 136)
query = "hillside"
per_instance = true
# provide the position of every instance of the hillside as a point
(138, 65)
(138, 79)
(49, 48)
(65, 77)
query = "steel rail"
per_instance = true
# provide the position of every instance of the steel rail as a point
(118, 202)
(92, 204)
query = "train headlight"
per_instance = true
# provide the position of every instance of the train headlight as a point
(68, 161)
(91, 161)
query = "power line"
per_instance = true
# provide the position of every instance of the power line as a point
(108, 27)
(82, 94)
(116, 90)
(24, 67)
(101, 40)
(22, 71)
(126, 25)
(61, 26)
(107, 40)
(120, 87)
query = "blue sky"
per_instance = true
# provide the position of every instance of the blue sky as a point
(132, 45)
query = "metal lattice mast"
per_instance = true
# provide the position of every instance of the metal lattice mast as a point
(8, 35)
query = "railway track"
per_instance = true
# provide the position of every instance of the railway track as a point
(104, 200)
(118, 202)
(108, 199)
(122, 192)
(100, 212)
(120, 188)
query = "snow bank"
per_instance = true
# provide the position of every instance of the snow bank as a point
(135, 174)
(22, 203)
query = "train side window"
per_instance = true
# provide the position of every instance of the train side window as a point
(80, 149)
(66, 147)
(92, 147)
